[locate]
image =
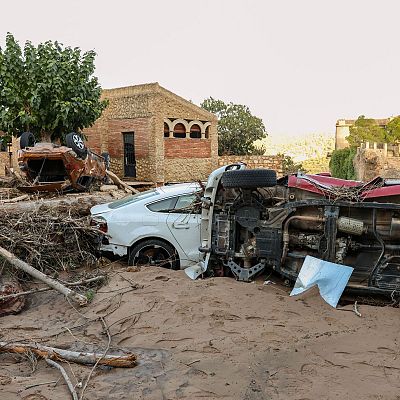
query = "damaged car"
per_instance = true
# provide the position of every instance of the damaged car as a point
(252, 221)
(54, 167)
(158, 227)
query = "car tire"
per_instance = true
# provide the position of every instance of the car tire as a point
(249, 178)
(75, 142)
(153, 252)
(27, 139)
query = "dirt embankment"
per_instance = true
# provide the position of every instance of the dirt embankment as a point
(208, 339)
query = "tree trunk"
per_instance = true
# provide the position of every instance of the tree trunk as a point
(120, 183)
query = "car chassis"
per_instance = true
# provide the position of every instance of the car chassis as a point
(252, 221)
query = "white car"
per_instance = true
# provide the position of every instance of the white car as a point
(157, 227)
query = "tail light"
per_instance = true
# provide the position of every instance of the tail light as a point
(100, 223)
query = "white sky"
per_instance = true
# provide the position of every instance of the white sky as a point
(298, 64)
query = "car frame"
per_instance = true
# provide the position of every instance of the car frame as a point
(252, 221)
(53, 167)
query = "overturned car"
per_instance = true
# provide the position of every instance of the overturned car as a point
(53, 167)
(252, 221)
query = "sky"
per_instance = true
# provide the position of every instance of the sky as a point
(298, 64)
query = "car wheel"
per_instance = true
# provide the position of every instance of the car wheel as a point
(249, 178)
(26, 140)
(75, 141)
(153, 252)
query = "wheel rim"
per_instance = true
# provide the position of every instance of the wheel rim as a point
(78, 142)
(153, 256)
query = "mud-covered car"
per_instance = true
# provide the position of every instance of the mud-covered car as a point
(53, 167)
(251, 222)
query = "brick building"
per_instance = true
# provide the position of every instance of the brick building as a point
(151, 134)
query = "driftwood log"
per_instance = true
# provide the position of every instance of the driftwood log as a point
(79, 357)
(120, 183)
(16, 262)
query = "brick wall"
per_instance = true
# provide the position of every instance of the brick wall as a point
(267, 162)
(187, 148)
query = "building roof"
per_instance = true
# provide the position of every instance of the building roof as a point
(149, 88)
(350, 122)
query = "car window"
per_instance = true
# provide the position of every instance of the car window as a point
(165, 205)
(134, 198)
(187, 203)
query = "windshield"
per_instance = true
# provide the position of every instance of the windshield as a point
(133, 198)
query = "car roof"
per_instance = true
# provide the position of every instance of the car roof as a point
(179, 188)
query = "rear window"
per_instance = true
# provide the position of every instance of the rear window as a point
(133, 198)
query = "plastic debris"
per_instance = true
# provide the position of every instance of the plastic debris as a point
(330, 278)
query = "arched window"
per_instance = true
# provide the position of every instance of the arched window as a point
(179, 131)
(207, 134)
(195, 132)
(166, 130)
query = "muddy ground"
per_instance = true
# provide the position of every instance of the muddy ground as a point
(208, 339)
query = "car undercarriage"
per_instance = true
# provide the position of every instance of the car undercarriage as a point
(258, 222)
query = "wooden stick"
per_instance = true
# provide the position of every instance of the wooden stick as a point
(15, 199)
(45, 289)
(79, 357)
(16, 262)
(65, 376)
(120, 183)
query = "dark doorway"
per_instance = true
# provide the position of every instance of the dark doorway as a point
(129, 155)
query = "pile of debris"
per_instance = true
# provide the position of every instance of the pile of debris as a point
(49, 238)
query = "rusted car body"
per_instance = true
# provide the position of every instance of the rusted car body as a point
(51, 167)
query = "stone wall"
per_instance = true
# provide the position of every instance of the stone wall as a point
(267, 162)
(187, 169)
(377, 159)
(4, 162)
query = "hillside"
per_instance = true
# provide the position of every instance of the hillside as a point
(311, 150)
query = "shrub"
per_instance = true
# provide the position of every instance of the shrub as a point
(341, 164)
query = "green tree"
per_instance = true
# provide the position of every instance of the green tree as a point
(392, 130)
(238, 129)
(365, 130)
(289, 166)
(48, 90)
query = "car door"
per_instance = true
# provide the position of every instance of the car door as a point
(184, 224)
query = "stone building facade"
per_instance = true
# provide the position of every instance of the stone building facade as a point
(151, 134)
(343, 130)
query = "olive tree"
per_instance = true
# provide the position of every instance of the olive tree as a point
(48, 90)
(238, 129)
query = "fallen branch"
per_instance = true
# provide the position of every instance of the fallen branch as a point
(65, 376)
(103, 321)
(120, 183)
(45, 289)
(16, 262)
(79, 357)
(355, 309)
(15, 199)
